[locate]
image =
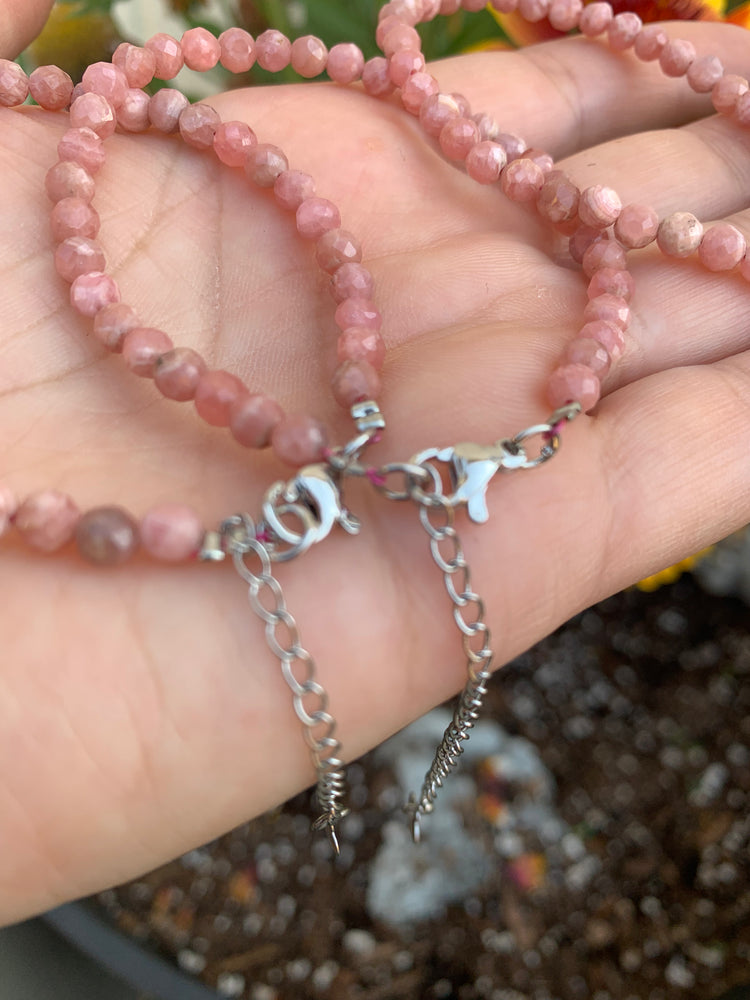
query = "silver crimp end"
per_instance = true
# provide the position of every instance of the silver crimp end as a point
(212, 548)
(368, 417)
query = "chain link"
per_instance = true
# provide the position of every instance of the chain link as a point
(253, 564)
(313, 497)
(434, 506)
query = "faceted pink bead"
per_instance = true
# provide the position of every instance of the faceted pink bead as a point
(595, 19)
(564, 15)
(402, 64)
(676, 57)
(345, 63)
(376, 80)
(573, 383)
(448, 7)
(168, 54)
(138, 64)
(171, 532)
(14, 84)
(485, 161)
(316, 216)
(113, 322)
(358, 312)
(609, 335)
(215, 394)
(93, 291)
(487, 125)
(623, 30)
(679, 234)
(51, 88)
(581, 240)
(417, 88)
(436, 111)
(198, 124)
(504, 6)
(722, 248)
(299, 440)
(514, 145)
(237, 50)
(78, 256)
(106, 536)
(611, 281)
(650, 41)
(142, 347)
(588, 352)
(77, 92)
(603, 253)
(200, 49)
(47, 520)
(464, 105)
(409, 12)
(386, 24)
(360, 344)
(309, 56)
(558, 198)
(232, 142)
(107, 80)
(636, 226)
(609, 309)
(336, 248)
(353, 382)
(94, 112)
(522, 180)
(533, 11)
(8, 508)
(542, 159)
(273, 50)
(177, 372)
(292, 187)
(83, 146)
(68, 179)
(458, 136)
(400, 38)
(264, 163)
(725, 93)
(351, 281)
(73, 217)
(704, 73)
(165, 108)
(599, 206)
(133, 113)
(252, 419)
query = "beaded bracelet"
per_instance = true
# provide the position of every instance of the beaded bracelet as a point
(600, 231)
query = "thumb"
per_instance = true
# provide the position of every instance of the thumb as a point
(20, 22)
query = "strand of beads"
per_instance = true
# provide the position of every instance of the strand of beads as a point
(600, 228)
(49, 519)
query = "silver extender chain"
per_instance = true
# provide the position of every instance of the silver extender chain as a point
(310, 698)
(436, 513)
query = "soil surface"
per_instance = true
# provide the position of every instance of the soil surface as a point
(597, 847)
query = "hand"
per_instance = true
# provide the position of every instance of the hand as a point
(142, 713)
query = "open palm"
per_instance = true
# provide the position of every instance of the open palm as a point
(141, 713)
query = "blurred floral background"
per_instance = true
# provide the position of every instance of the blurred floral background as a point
(83, 31)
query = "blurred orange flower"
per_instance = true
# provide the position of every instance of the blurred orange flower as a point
(520, 32)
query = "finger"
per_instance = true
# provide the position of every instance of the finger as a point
(681, 313)
(569, 94)
(20, 22)
(703, 168)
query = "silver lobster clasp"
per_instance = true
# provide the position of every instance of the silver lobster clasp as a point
(314, 498)
(471, 468)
